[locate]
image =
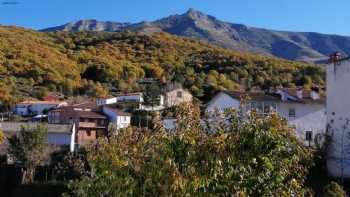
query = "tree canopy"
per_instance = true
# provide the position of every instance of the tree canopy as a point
(32, 63)
(260, 157)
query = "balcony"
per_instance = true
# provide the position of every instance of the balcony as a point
(91, 125)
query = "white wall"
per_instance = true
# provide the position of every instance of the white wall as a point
(114, 118)
(106, 101)
(338, 118)
(308, 117)
(123, 122)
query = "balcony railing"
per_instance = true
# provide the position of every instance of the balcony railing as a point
(90, 125)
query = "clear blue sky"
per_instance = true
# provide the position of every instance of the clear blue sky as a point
(325, 16)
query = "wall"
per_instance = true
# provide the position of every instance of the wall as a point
(131, 97)
(222, 101)
(21, 110)
(39, 108)
(83, 137)
(123, 121)
(171, 98)
(338, 118)
(111, 114)
(308, 117)
(59, 138)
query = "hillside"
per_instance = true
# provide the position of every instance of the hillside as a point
(32, 63)
(303, 46)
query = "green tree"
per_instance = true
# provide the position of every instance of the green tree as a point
(259, 157)
(28, 148)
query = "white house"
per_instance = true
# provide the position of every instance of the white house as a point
(305, 113)
(338, 116)
(117, 117)
(27, 108)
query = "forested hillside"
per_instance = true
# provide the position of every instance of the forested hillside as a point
(92, 63)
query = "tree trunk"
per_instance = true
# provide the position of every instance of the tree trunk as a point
(28, 175)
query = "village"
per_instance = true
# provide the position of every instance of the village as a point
(76, 124)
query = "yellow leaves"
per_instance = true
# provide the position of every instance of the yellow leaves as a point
(2, 136)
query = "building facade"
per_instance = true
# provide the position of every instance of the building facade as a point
(117, 117)
(338, 116)
(89, 121)
(305, 114)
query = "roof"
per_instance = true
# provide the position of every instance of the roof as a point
(89, 114)
(9, 127)
(264, 96)
(30, 102)
(118, 111)
(256, 96)
(307, 98)
(130, 94)
(88, 104)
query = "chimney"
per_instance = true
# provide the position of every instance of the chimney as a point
(300, 93)
(335, 57)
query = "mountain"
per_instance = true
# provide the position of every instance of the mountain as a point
(89, 25)
(92, 63)
(303, 46)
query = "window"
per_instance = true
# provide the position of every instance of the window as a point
(124, 118)
(291, 112)
(308, 135)
(179, 94)
(88, 133)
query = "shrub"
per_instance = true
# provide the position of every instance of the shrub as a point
(259, 157)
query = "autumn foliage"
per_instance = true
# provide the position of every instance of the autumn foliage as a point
(260, 157)
(32, 63)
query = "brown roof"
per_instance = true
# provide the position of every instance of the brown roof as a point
(90, 114)
(256, 96)
(118, 111)
(89, 104)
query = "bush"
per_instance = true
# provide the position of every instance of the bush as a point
(334, 190)
(258, 157)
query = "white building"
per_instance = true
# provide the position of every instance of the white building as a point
(305, 113)
(117, 117)
(27, 108)
(127, 97)
(106, 101)
(338, 116)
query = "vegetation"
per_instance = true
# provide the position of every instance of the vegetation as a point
(260, 157)
(98, 63)
(28, 149)
(334, 190)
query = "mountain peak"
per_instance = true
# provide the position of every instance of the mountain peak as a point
(194, 14)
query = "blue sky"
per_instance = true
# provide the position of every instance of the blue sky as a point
(325, 16)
